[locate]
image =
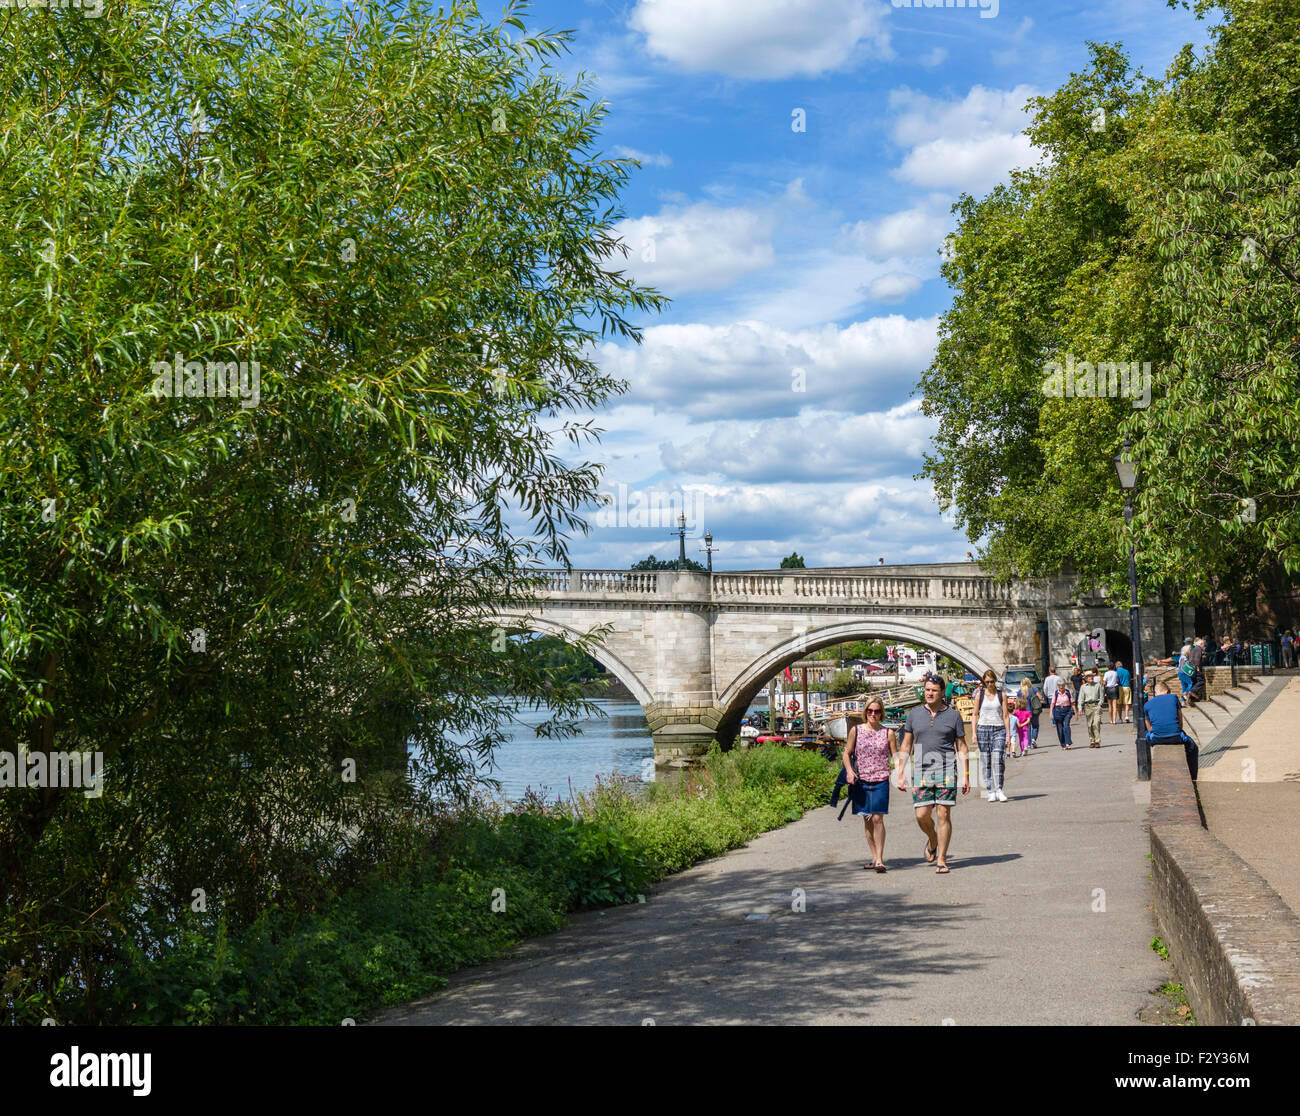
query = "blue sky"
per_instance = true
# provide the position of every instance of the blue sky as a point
(773, 400)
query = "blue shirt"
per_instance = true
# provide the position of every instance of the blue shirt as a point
(1125, 678)
(1162, 712)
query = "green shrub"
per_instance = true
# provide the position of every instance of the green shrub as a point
(451, 891)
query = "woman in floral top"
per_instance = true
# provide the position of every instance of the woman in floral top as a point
(871, 747)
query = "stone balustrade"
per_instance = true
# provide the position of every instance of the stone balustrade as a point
(790, 586)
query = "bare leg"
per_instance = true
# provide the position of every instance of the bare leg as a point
(945, 832)
(871, 836)
(878, 845)
(925, 819)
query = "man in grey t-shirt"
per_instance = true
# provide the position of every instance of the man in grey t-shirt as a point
(939, 735)
(1049, 685)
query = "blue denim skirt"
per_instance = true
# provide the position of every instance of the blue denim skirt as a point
(877, 798)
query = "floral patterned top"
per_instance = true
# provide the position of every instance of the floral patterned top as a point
(871, 750)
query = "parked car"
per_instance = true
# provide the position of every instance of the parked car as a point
(1014, 673)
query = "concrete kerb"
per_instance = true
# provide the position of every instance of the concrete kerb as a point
(1232, 940)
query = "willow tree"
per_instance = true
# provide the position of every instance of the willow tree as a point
(1160, 227)
(296, 314)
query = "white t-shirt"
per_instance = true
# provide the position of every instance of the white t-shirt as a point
(1110, 678)
(1049, 686)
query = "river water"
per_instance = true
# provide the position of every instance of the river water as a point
(617, 742)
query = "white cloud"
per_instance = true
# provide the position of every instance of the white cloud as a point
(830, 524)
(833, 447)
(754, 368)
(660, 160)
(936, 57)
(894, 287)
(974, 165)
(918, 231)
(982, 111)
(762, 39)
(697, 247)
(969, 144)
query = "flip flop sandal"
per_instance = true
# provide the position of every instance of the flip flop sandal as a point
(881, 868)
(942, 870)
(930, 853)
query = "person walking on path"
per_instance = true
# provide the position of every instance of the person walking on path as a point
(1050, 683)
(939, 735)
(1288, 649)
(1076, 680)
(1034, 703)
(867, 753)
(1062, 712)
(1090, 698)
(1125, 693)
(1164, 719)
(1021, 718)
(1110, 681)
(1186, 674)
(991, 736)
(1196, 657)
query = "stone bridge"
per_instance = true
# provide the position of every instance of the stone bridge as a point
(695, 648)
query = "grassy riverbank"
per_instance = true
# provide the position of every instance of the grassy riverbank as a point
(457, 889)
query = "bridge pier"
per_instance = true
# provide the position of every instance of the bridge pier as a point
(682, 732)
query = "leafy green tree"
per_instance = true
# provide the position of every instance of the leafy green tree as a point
(1219, 482)
(1129, 243)
(1032, 265)
(842, 683)
(857, 649)
(653, 563)
(792, 562)
(561, 662)
(395, 216)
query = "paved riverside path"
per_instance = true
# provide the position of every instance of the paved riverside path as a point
(1009, 936)
(1250, 792)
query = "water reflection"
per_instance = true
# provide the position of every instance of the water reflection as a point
(617, 742)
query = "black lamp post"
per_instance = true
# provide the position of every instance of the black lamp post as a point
(708, 547)
(1127, 473)
(681, 539)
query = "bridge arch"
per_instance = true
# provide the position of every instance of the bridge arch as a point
(602, 654)
(735, 699)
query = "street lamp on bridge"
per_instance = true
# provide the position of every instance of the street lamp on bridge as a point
(708, 547)
(1127, 473)
(681, 539)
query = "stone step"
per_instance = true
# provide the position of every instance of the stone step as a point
(1202, 725)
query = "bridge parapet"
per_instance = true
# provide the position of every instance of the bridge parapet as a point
(748, 586)
(559, 583)
(801, 587)
(859, 589)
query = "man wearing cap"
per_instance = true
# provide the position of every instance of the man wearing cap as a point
(1091, 695)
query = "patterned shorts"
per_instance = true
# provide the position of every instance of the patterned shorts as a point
(935, 785)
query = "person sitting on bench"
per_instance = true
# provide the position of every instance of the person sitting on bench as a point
(1164, 717)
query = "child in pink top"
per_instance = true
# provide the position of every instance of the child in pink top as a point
(1022, 717)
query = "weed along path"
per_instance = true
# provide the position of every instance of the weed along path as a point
(1044, 919)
